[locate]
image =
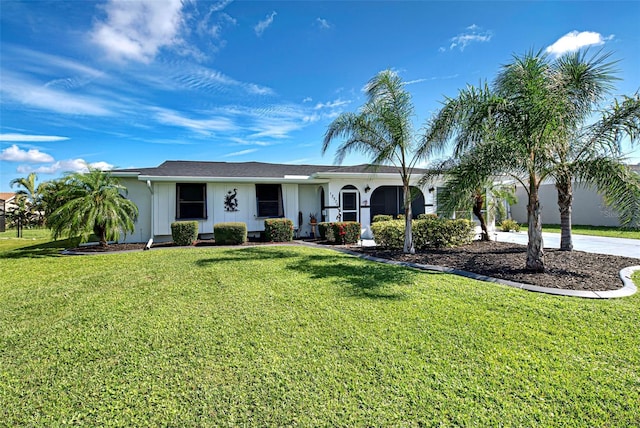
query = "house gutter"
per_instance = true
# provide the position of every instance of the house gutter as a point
(194, 179)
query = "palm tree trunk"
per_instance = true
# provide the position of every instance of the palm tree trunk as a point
(565, 200)
(408, 232)
(535, 247)
(477, 211)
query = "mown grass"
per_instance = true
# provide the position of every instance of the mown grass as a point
(610, 231)
(275, 336)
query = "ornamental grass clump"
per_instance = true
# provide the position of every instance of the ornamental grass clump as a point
(184, 232)
(278, 229)
(230, 233)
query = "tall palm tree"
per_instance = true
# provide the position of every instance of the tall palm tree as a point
(383, 130)
(592, 155)
(31, 195)
(95, 204)
(508, 127)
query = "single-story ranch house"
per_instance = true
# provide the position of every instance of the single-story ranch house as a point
(250, 192)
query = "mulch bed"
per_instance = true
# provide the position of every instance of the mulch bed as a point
(573, 270)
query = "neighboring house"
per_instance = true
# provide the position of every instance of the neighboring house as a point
(250, 192)
(588, 206)
(6, 204)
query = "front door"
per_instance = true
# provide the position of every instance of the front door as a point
(350, 205)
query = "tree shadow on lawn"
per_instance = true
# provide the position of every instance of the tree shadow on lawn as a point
(361, 279)
(46, 249)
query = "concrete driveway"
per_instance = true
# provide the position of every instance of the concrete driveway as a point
(590, 244)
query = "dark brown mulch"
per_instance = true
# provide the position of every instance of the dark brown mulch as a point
(572, 270)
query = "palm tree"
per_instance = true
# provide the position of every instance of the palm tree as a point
(508, 128)
(529, 124)
(95, 204)
(592, 155)
(31, 195)
(383, 130)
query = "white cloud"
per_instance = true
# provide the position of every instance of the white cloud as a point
(575, 40)
(307, 100)
(205, 79)
(69, 165)
(18, 89)
(412, 82)
(136, 30)
(323, 23)
(240, 153)
(264, 24)
(332, 104)
(16, 154)
(31, 138)
(202, 126)
(474, 34)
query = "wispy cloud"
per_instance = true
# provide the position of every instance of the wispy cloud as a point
(137, 30)
(31, 138)
(69, 165)
(332, 104)
(575, 40)
(206, 79)
(16, 154)
(472, 34)
(202, 126)
(240, 153)
(23, 91)
(323, 23)
(264, 24)
(414, 81)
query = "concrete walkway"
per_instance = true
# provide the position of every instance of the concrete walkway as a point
(587, 243)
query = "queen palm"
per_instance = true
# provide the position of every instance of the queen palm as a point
(509, 128)
(383, 130)
(592, 156)
(95, 204)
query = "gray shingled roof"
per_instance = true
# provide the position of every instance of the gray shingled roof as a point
(245, 169)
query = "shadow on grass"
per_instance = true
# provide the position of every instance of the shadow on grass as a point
(357, 278)
(45, 249)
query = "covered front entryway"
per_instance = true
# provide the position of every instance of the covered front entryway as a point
(389, 200)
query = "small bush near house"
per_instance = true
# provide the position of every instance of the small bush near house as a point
(428, 232)
(278, 229)
(435, 232)
(340, 232)
(509, 225)
(325, 231)
(389, 234)
(426, 216)
(231, 233)
(184, 232)
(381, 217)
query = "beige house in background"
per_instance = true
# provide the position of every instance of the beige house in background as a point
(588, 206)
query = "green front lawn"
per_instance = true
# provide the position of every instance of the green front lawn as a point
(274, 336)
(613, 232)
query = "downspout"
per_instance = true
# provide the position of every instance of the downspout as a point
(150, 242)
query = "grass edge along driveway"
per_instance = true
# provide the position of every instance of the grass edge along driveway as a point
(294, 335)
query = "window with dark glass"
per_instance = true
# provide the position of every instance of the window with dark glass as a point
(191, 201)
(269, 200)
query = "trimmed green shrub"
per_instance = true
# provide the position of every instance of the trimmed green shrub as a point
(326, 231)
(429, 232)
(426, 216)
(340, 232)
(230, 233)
(278, 229)
(184, 232)
(509, 225)
(388, 234)
(381, 217)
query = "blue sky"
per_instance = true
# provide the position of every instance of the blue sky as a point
(135, 83)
